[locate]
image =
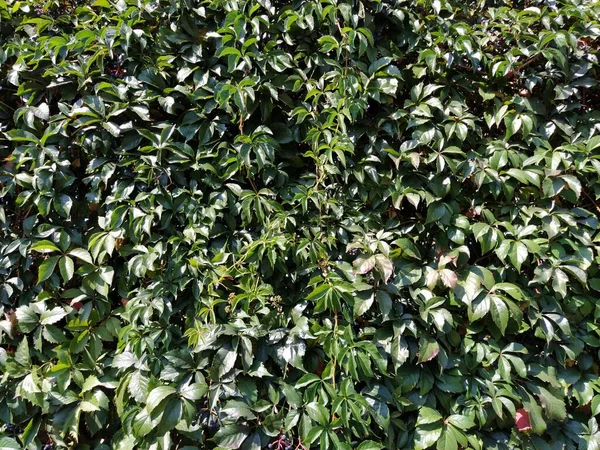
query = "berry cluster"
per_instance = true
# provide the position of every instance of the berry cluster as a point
(116, 72)
(13, 429)
(48, 446)
(230, 300)
(114, 68)
(275, 301)
(212, 425)
(64, 9)
(207, 419)
(282, 443)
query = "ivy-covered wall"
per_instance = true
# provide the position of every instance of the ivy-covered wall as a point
(335, 224)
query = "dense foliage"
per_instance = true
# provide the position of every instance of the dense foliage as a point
(289, 225)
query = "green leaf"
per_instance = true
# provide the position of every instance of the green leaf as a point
(513, 124)
(224, 360)
(385, 302)
(536, 417)
(428, 415)
(553, 406)
(437, 212)
(143, 424)
(8, 443)
(596, 405)
(408, 249)
(518, 364)
(460, 421)
(370, 445)
(593, 143)
(306, 380)
(90, 383)
(518, 254)
(573, 183)
(45, 247)
(407, 275)
(31, 431)
(363, 302)
(428, 349)
(552, 186)
(499, 313)
(138, 386)
(447, 441)
(67, 268)
(313, 434)
(560, 281)
(27, 318)
(194, 391)
(170, 417)
(292, 396)
(22, 355)
(52, 316)
(427, 435)
(46, 269)
(318, 413)
(157, 396)
(124, 360)
(231, 436)
(319, 292)
(82, 254)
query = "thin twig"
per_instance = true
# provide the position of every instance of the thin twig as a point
(592, 200)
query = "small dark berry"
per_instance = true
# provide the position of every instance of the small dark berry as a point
(203, 416)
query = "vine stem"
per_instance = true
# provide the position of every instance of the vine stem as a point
(345, 40)
(335, 326)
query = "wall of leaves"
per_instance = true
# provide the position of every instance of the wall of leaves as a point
(331, 224)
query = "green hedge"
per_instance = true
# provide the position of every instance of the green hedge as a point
(345, 224)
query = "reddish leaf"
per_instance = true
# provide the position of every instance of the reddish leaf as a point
(522, 420)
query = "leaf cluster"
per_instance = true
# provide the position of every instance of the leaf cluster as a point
(299, 224)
